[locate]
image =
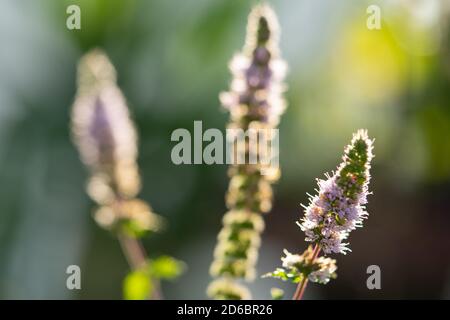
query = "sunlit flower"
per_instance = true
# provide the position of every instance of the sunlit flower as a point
(327, 268)
(291, 260)
(297, 267)
(339, 206)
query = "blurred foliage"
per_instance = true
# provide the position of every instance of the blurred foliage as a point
(139, 284)
(166, 268)
(276, 293)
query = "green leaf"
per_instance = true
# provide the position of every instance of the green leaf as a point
(166, 267)
(133, 229)
(291, 275)
(276, 293)
(137, 285)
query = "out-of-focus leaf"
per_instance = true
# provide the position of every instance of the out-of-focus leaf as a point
(166, 267)
(285, 275)
(137, 285)
(276, 293)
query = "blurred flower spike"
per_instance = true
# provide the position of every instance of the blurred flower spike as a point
(255, 101)
(103, 130)
(258, 73)
(107, 141)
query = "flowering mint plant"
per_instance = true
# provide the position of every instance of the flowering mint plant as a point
(337, 209)
(107, 141)
(340, 205)
(255, 102)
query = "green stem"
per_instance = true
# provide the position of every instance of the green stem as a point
(136, 257)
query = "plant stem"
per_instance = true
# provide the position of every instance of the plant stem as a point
(136, 256)
(133, 251)
(298, 295)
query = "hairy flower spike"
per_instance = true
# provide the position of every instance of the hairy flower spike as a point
(331, 215)
(339, 206)
(254, 101)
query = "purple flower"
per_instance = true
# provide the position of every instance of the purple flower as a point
(103, 131)
(339, 206)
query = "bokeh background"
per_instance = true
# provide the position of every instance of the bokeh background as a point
(171, 58)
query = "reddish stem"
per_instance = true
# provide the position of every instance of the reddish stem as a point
(298, 295)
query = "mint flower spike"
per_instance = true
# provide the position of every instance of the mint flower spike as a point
(339, 206)
(103, 131)
(337, 209)
(255, 101)
(256, 92)
(106, 138)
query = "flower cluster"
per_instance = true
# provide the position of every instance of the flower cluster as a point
(107, 141)
(254, 101)
(296, 267)
(339, 206)
(258, 73)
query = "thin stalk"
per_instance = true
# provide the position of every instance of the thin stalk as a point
(298, 295)
(136, 257)
(133, 251)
